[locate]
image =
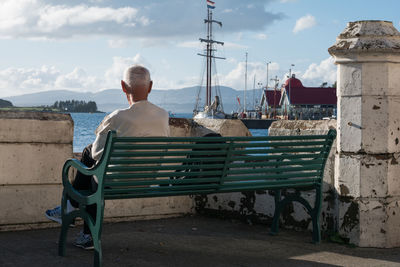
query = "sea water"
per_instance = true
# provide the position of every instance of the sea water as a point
(85, 125)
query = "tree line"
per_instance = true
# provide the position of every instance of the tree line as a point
(5, 103)
(76, 106)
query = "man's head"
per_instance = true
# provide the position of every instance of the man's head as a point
(136, 83)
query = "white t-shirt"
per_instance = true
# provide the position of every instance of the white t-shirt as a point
(141, 119)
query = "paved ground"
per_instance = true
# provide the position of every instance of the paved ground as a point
(188, 241)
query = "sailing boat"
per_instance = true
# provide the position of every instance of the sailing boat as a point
(211, 108)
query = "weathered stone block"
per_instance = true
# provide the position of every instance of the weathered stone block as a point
(375, 122)
(370, 222)
(349, 82)
(373, 223)
(32, 163)
(34, 200)
(394, 74)
(201, 127)
(392, 223)
(372, 122)
(21, 204)
(224, 127)
(140, 207)
(348, 173)
(393, 175)
(374, 175)
(349, 123)
(375, 79)
(39, 127)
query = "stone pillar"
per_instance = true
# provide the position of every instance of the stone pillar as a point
(367, 164)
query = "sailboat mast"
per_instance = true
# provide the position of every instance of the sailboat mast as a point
(210, 50)
(245, 87)
(209, 55)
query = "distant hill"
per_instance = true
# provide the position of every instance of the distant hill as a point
(5, 104)
(175, 100)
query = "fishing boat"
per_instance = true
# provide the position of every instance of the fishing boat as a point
(211, 106)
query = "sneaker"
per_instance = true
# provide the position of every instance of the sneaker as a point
(55, 215)
(84, 241)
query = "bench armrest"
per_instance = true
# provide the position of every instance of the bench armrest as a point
(72, 192)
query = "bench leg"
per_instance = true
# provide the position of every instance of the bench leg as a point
(98, 254)
(96, 230)
(315, 214)
(62, 239)
(64, 227)
(277, 213)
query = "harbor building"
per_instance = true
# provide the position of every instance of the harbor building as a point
(270, 103)
(298, 102)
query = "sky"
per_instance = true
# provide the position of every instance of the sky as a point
(86, 45)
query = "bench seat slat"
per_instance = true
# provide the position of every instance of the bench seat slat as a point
(184, 159)
(217, 145)
(125, 175)
(181, 159)
(279, 176)
(134, 154)
(247, 170)
(279, 144)
(118, 190)
(266, 183)
(264, 163)
(140, 154)
(160, 181)
(137, 167)
(213, 139)
(154, 193)
(278, 150)
(133, 146)
(163, 168)
(266, 187)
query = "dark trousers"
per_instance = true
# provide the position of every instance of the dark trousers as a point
(86, 182)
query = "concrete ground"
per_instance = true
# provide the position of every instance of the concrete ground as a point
(189, 241)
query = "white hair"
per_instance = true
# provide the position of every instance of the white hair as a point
(137, 75)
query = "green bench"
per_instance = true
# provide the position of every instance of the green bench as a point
(133, 167)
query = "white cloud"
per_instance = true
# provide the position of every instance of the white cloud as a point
(77, 79)
(287, 1)
(304, 23)
(239, 36)
(14, 81)
(236, 77)
(234, 45)
(37, 19)
(228, 10)
(190, 44)
(316, 74)
(119, 43)
(261, 36)
(48, 19)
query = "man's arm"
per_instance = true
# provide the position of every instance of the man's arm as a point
(101, 137)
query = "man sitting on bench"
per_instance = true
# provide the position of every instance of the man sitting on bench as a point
(142, 118)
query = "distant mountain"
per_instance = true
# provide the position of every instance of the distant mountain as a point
(175, 100)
